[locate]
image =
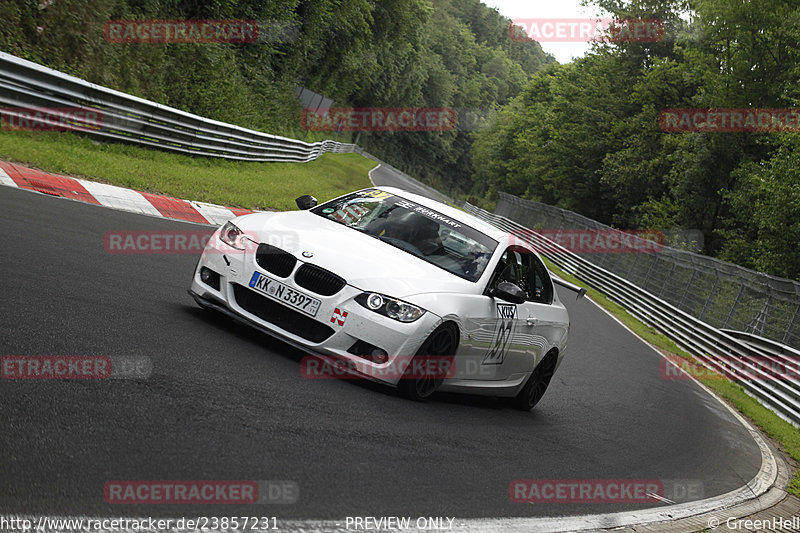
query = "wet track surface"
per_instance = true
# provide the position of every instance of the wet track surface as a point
(225, 402)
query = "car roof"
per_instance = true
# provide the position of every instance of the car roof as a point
(451, 212)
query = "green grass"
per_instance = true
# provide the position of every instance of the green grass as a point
(771, 424)
(230, 183)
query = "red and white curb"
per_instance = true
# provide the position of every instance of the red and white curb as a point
(91, 192)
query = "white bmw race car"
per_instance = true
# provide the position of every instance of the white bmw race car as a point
(396, 288)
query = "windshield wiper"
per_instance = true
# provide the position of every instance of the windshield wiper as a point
(358, 228)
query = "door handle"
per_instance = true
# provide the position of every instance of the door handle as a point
(532, 321)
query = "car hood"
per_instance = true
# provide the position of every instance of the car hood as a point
(365, 262)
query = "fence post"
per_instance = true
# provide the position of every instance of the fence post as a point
(664, 284)
(710, 297)
(793, 323)
(734, 306)
(687, 289)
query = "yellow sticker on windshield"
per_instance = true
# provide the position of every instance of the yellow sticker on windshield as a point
(375, 193)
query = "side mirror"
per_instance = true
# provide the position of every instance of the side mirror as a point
(306, 202)
(509, 292)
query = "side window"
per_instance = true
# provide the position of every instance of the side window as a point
(524, 269)
(540, 288)
(508, 269)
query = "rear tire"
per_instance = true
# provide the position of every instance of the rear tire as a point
(537, 384)
(443, 341)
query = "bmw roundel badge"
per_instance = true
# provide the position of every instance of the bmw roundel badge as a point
(308, 253)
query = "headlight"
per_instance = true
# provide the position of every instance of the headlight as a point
(374, 301)
(391, 307)
(232, 236)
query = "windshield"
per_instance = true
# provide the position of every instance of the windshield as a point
(416, 229)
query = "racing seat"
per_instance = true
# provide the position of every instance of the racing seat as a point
(425, 236)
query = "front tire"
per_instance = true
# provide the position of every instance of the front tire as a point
(443, 341)
(537, 384)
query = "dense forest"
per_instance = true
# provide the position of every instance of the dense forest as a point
(360, 53)
(584, 136)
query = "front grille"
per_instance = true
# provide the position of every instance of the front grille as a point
(284, 317)
(275, 260)
(319, 280)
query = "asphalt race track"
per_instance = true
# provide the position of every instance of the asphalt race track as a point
(389, 177)
(225, 402)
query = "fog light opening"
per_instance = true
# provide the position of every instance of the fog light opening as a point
(369, 352)
(210, 278)
(379, 356)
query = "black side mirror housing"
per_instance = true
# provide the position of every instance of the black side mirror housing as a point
(306, 202)
(509, 292)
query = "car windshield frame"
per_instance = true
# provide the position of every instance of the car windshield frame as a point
(453, 246)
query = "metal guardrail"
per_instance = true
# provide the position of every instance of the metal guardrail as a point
(25, 85)
(766, 346)
(754, 367)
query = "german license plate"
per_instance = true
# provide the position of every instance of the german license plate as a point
(284, 294)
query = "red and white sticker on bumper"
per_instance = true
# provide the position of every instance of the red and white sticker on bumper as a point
(339, 317)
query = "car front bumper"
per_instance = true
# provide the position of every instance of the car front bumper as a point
(339, 324)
